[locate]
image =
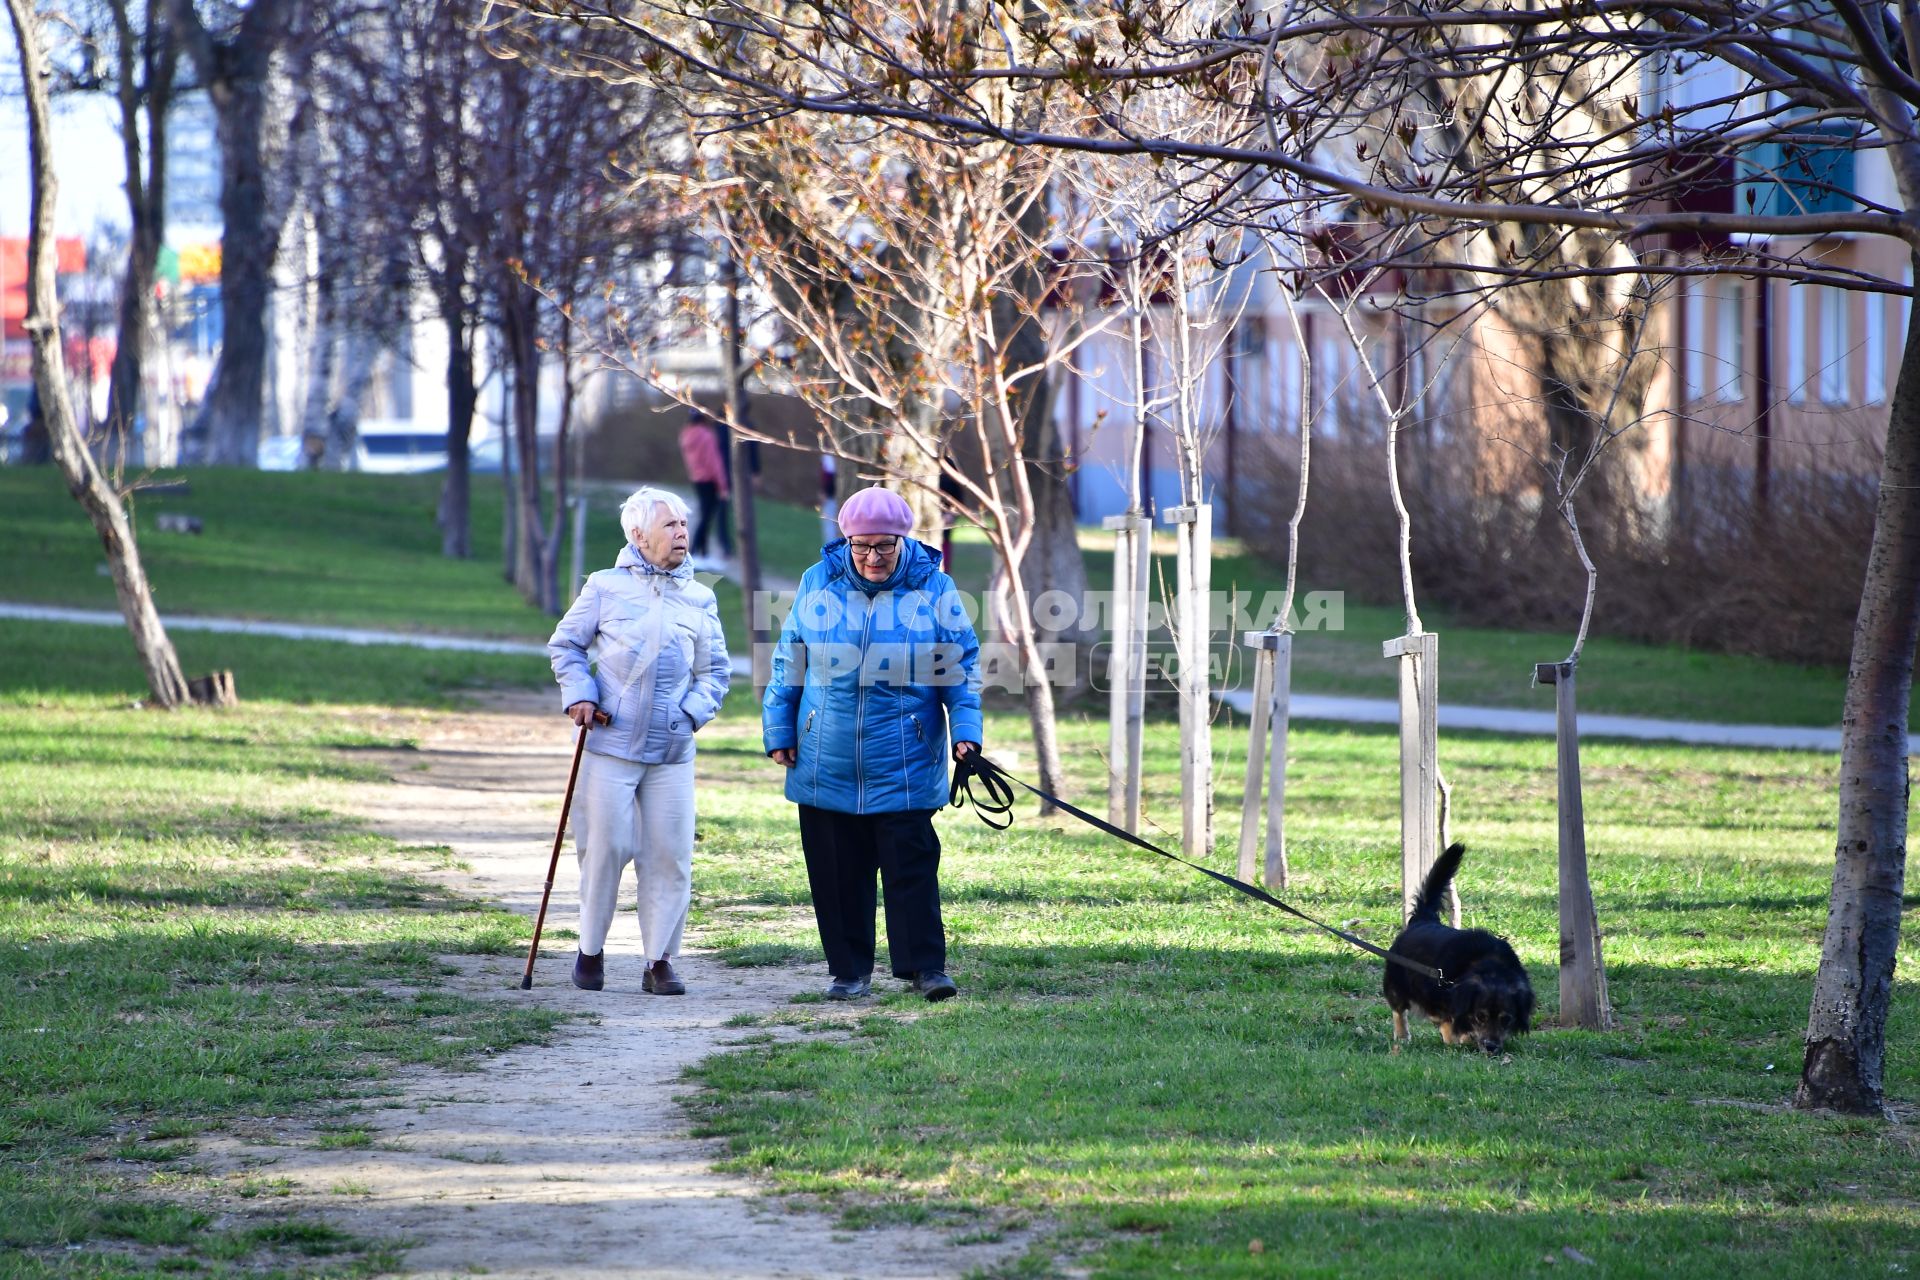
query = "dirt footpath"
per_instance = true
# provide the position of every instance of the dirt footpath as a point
(570, 1160)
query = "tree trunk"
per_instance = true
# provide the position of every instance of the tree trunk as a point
(746, 532)
(84, 481)
(150, 79)
(917, 475)
(1846, 1026)
(362, 352)
(1053, 561)
(247, 248)
(237, 71)
(509, 468)
(518, 325)
(456, 494)
(323, 349)
(550, 597)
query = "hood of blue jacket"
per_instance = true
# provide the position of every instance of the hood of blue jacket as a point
(918, 563)
(630, 558)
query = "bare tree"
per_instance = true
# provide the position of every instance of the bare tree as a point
(235, 53)
(413, 93)
(902, 269)
(166, 684)
(134, 55)
(557, 233)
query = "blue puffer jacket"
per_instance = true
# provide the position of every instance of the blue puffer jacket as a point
(869, 680)
(645, 645)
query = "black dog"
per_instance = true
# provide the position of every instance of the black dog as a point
(1486, 996)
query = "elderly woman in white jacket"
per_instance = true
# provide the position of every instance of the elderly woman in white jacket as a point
(643, 645)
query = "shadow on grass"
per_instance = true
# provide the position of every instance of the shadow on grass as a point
(1171, 1105)
(209, 827)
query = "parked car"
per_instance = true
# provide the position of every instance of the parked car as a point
(387, 446)
(391, 447)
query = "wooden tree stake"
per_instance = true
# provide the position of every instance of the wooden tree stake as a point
(1583, 974)
(1125, 668)
(1194, 527)
(1272, 676)
(1419, 656)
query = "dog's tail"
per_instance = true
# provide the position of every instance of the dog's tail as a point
(1434, 888)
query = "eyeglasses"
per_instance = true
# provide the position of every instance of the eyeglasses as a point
(873, 550)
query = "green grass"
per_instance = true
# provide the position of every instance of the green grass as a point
(1154, 1072)
(336, 550)
(361, 550)
(190, 939)
(1167, 1072)
(343, 550)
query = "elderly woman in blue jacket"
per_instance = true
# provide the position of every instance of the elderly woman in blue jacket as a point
(877, 668)
(642, 645)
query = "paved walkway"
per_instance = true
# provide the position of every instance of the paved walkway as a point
(285, 630)
(1313, 706)
(1306, 706)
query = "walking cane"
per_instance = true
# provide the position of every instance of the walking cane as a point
(553, 863)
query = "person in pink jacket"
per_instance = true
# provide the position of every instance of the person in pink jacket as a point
(707, 469)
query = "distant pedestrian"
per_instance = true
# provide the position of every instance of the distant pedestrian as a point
(707, 469)
(877, 667)
(36, 444)
(643, 644)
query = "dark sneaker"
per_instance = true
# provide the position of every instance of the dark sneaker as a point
(589, 972)
(935, 985)
(849, 988)
(661, 980)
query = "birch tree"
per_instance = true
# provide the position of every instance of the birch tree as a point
(165, 683)
(891, 260)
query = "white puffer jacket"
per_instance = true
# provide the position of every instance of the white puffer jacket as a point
(645, 646)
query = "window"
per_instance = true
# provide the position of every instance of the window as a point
(1288, 410)
(1250, 381)
(1796, 337)
(1731, 313)
(1329, 385)
(1875, 341)
(1693, 340)
(1834, 345)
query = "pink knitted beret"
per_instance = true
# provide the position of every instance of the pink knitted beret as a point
(874, 511)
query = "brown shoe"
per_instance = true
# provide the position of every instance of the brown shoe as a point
(589, 972)
(661, 980)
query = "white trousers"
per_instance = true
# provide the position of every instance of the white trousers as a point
(639, 813)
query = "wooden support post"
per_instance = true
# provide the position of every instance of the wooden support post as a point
(1419, 657)
(1123, 673)
(1583, 974)
(1194, 574)
(1261, 716)
(1137, 688)
(1272, 674)
(1277, 763)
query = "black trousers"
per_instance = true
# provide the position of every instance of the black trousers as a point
(844, 851)
(713, 515)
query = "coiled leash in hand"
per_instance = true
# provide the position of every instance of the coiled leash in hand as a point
(995, 809)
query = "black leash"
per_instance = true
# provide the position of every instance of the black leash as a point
(996, 810)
